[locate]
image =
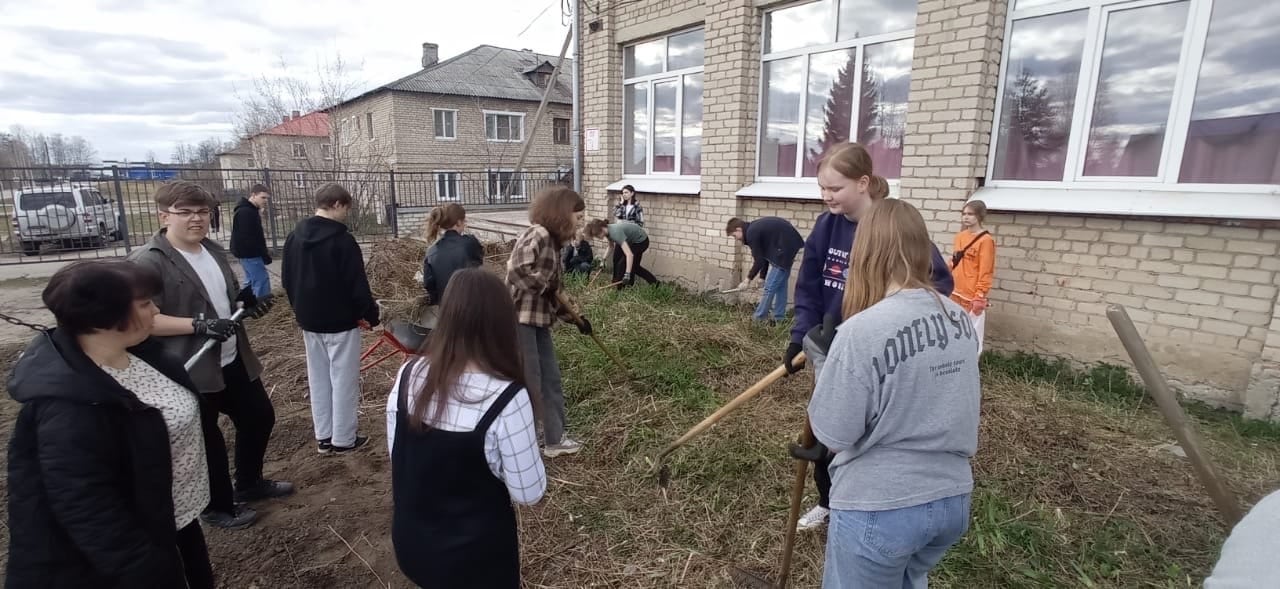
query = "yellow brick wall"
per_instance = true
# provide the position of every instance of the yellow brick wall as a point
(1204, 295)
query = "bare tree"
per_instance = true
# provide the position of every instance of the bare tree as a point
(151, 157)
(80, 152)
(273, 96)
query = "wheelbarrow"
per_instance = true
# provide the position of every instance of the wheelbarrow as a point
(402, 337)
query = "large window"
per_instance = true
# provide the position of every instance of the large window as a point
(1143, 93)
(504, 127)
(501, 181)
(446, 123)
(835, 71)
(662, 121)
(560, 131)
(447, 186)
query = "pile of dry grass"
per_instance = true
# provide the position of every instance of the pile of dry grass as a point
(393, 274)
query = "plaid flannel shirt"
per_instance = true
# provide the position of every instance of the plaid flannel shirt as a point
(533, 274)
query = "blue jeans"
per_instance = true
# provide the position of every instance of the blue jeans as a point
(255, 273)
(894, 548)
(775, 294)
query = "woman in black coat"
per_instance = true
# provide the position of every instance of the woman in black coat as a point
(107, 470)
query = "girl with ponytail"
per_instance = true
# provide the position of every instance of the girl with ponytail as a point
(449, 252)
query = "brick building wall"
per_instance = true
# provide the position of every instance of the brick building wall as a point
(1203, 294)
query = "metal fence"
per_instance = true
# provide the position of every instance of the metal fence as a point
(96, 212)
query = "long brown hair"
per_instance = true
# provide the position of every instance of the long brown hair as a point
(553, 208)
(443, 218)
(477, 327)
(891, 246)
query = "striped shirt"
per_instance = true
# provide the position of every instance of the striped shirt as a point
(533, 275)
(510, 445)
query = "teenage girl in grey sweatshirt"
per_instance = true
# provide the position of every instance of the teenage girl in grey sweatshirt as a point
(897, 402)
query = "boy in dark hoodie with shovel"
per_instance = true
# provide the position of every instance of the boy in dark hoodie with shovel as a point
(324, 279)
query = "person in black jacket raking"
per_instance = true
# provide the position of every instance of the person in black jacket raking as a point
(324, 278)
(107, 469)
(774, 243)
(249, 243)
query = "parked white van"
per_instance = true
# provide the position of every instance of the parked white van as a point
(71, 216)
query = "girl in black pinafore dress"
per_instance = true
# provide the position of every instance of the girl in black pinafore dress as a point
(463, 444)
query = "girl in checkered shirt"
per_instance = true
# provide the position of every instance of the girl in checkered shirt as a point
(463, 443)
(534, 276)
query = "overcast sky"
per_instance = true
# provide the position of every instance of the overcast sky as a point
(138, 75)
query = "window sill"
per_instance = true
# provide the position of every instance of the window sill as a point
(1142, 203)
(690, 185)
(447, 139)
(806, 189)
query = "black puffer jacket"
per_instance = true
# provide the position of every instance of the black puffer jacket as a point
(452, 252)
(247, 237)
(90, 481)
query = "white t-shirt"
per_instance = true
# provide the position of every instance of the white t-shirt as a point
(215, 284)
(181, 413)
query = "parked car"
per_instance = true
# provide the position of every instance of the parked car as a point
(71, 216)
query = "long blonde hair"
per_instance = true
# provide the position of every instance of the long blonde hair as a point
(891, 246)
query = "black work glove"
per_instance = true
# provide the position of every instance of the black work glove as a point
(584, 326)
(266, 259)
(218, 329)
(824, 334)
(813, 453)
(793, 350)
(626, 278)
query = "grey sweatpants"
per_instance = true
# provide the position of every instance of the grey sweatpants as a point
(333, 375)
(542, 376)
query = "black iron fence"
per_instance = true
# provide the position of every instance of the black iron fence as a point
(97, 212)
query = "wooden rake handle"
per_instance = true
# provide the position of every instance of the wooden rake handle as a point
(751, 393)
(577, 320)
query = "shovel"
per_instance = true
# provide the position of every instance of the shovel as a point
(664, 474)
(209, 343)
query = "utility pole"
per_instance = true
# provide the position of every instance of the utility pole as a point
(537, 118)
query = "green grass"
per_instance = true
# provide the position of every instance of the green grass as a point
(1067, 493)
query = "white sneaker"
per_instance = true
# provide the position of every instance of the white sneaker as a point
(566, 446)
(816, 518)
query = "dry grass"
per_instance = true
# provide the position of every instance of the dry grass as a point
(1072, 491)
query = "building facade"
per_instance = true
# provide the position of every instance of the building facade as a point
(1129, 151)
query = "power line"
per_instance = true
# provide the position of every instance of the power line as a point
(535, 19)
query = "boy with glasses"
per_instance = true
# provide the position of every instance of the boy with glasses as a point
(200, 294)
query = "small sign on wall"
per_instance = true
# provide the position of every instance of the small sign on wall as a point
(592, 139)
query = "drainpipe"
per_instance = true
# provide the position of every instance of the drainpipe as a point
(577, 98)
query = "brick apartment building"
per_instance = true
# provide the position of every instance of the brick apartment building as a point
(464, 121)
(1130, 151)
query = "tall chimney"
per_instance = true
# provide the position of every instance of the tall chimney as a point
(297, 114)
(430, 54)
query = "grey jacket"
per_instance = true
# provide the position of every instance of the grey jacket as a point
(184, 296)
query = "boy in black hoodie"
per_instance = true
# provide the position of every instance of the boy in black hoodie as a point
(325, 281)
(249, 243)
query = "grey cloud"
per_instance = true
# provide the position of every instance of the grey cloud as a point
(113, 48)
(105, 94)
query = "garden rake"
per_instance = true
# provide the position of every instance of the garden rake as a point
(745, 578)
(664, 473)
(577, 320)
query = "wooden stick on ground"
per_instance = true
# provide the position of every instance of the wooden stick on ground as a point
(577, 320)
(1226, 502)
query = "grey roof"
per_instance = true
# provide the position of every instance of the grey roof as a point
(486, 72)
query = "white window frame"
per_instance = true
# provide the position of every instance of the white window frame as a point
(453, 115)
(521, 194)
(368, 119)
(299, 180)
(326, 150)
(250, 162)
(299, 151)
(802, 187)
(452, 178)
(499, 113)
(650, 80)
(1152, 188)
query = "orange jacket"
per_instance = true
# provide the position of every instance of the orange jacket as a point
(975, 272)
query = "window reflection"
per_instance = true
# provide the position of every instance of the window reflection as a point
(863, 18)
(882, 114)
(1234, 134)
(644, 59)
(1135, 88)
(636, 129)
(832, 80)
(798, 26)
(691, 144)
(782, 79)
(664, 126)
(1043, 70)
(685, 50)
